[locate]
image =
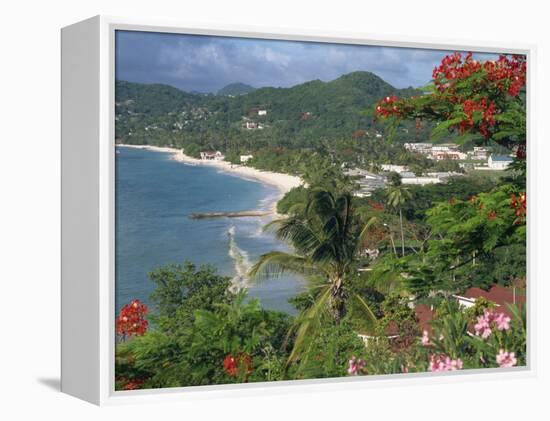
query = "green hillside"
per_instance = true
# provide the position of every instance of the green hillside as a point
(234, 89)
(299, 116)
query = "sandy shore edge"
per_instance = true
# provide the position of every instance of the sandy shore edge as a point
(283, 182)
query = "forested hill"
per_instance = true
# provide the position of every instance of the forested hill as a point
(234, 89)
(299, 116)
(154, 99)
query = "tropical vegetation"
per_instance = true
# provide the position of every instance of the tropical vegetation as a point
(371, 263)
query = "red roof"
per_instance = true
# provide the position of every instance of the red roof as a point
(424, 315)
(499, 295)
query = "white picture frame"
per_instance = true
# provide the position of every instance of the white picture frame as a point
(88, 335)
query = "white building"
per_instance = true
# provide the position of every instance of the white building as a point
(366, 181)
(252, 125)
(212, 156)
(439, 155)
(498, 162)
(421, 181)
(423, 148)
(479, 153)
(262, 112)
(395, 168)
(245, 158)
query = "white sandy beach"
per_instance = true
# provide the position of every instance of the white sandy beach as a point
(283, 182)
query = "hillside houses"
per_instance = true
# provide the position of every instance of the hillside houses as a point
(478, 154)
(437, 152)
(367, 182)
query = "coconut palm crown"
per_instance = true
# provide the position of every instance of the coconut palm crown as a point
(326, 238)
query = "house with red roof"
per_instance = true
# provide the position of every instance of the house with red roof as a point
(498, 294)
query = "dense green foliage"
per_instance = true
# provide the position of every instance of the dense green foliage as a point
(370, 262)
(236, 88)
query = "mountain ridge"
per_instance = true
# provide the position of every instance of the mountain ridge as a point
(298, 115)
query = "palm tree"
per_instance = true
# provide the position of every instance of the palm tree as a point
(326, 238)
(397, 197)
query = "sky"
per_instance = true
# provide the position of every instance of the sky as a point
(208, 63)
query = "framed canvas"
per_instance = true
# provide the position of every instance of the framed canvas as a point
(246, 211)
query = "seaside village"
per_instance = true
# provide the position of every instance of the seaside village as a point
(478, 159)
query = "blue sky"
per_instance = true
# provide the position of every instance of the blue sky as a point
(206, 63)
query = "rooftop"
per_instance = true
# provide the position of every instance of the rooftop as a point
(501, 158)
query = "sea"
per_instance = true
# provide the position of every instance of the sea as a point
(155, 196)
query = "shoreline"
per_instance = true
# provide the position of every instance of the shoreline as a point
(283, 182)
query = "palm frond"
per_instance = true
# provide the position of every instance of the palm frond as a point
(366, 318)
(301, 235)
(325, 253)
(276, 263)
(365, 231)
(320, 205)
(308, 323)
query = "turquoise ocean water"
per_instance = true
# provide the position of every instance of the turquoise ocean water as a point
(154, 197)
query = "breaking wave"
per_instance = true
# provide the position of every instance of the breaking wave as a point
(241, 262)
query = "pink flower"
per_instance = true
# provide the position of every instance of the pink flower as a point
(506, 359)
(444, 363)
(490, 320)
(482, 327)
(502, 321)
(455, 364)
(425, 338)
(355, 366)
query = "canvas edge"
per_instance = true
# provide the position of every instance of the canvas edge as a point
(80, 337)
(107, 27)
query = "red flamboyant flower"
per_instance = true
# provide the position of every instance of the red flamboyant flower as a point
(492, 215)
(232, 364)
(388, 107)
(133, 384)
(452, 69)
(131, 319)
(508, 74)
(376, 206)
(487, 111)
(519, 204)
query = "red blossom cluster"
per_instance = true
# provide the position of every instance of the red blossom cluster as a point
(519, 204)
(467, 90)
(453, 69)
(131, 319)
(377, 206)
(133, 384)
(508, 74)
(487, 110)
(232, 363)
(387, 107)
(520, 151)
